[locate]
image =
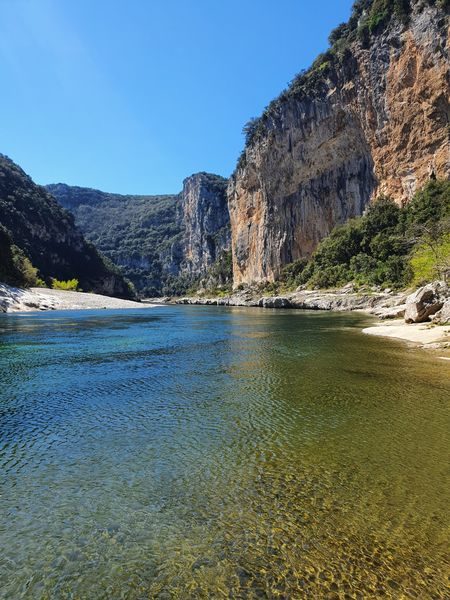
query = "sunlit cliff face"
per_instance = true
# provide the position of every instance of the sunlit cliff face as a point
(378, 126)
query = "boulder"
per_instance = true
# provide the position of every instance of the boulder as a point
(275, 302)
(425, 302)
(349, 288)
(390, 312)
(442, 317)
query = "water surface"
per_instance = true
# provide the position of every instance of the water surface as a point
(195, 452)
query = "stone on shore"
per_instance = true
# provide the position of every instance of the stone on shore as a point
(275, 302)
(425, 302)
(442, 317)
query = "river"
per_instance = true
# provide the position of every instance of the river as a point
(204, 452)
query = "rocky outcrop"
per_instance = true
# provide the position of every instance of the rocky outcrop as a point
(371, 117)
(442, 317)
(425, 302)
(382, 304)
(206, 222)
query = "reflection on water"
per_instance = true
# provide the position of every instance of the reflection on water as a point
(187, 452)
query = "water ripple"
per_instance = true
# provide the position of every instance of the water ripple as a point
(208, 453)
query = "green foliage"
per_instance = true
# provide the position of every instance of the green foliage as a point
(375, 15)
(251, 129)
(15, 266)
(70, 284)
(389, 246)
(431, 260)
(138, 233)
(221, 272)
(431, 205)
(291, 273)
(23, 265)
(339, 33)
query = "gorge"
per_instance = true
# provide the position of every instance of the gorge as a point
(163, 244)
(370, 117)
(151, 447)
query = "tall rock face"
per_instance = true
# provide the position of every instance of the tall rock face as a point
(206, 222)
(163, 244)
(370, 117)
(46, 234)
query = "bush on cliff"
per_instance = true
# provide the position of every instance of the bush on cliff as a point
(15, 266)
(69, 285)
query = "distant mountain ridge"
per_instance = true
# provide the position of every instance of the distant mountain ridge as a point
(45, 234)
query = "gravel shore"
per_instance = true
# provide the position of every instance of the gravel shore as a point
(19, 300)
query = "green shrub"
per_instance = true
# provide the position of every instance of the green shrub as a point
(23, 265)
(330, 276)
(431, 260)
(15, 266)
(430, 205)
(340, 32)
(291, 273)
(70, 284)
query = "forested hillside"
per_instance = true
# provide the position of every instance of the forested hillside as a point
(38, 239)
(141, 234)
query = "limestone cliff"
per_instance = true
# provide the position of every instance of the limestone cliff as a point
(206, 222)
(370, 117)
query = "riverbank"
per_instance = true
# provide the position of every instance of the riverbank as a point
(426, 335)
(14, 299)
(381, 304)
(384, 305)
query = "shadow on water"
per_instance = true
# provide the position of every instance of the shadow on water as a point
(206, 452)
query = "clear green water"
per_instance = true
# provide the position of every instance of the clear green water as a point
(187, 452)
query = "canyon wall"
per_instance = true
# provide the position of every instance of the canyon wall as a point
(163, 244)
(370, 117)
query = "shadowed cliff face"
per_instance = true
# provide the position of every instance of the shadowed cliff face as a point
(377, 123)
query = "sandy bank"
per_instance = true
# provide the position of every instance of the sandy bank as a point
(19, 300)
(424, 334)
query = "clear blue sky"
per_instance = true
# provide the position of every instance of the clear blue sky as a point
(132, 96)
